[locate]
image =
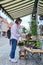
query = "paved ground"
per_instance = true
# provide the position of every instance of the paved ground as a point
(4, 54)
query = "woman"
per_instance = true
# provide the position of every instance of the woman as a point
(14, 37)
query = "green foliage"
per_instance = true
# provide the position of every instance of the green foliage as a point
(24, 30)
(37, 43)
(25, 42)
(21, 44)
(33, 27)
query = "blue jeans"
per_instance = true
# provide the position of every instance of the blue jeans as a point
(13, 48)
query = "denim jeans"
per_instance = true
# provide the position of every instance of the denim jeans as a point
(13, 47)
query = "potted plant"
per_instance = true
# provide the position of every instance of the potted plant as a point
(36, 44)
(21, 45)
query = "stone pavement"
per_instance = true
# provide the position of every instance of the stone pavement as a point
(4, 54)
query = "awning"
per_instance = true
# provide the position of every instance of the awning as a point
(21, 8)
(40, 7)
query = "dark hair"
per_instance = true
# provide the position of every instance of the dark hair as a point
(17, 20)
(1, 17)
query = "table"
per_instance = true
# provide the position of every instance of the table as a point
(33, 52)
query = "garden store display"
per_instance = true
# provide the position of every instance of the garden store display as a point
(33, 44)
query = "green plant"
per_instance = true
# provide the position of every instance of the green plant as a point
(21, 44)
(33, 27)
(37, 43)
(25, 42)
(24, 30)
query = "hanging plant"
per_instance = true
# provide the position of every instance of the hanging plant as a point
(33, 27)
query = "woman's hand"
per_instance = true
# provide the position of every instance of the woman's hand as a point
(22, 35)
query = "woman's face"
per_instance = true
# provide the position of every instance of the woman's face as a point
(19, 22)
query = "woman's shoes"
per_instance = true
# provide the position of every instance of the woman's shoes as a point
(13, 60)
